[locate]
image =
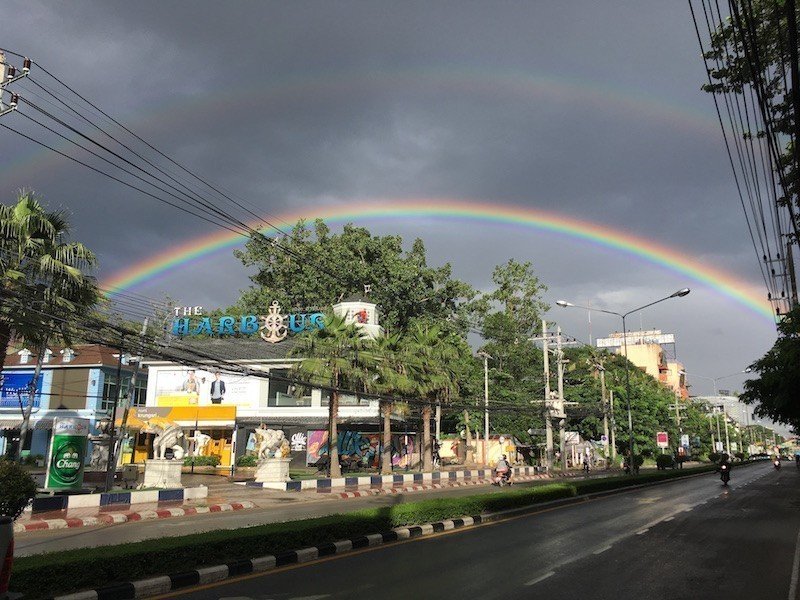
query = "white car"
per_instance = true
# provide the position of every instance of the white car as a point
(6, 554)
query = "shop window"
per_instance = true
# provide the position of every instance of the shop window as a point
(285, 393)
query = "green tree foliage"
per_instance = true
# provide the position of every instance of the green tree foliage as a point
(775, 391)
(41, 273)
(314, 268)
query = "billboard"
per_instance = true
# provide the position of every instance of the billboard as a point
(653, 336)
(17, 383)
(184, 386)
(67, 454)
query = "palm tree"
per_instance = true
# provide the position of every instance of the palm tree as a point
(437, 380)
(43, 283)
(388, 354)
(41, 275)
(333, 354)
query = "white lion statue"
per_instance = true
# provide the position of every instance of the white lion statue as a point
(270, 442)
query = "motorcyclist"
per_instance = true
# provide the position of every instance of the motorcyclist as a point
(724, 460)
(502, 470)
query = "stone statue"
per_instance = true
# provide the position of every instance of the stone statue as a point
(100, 443)
(270, 442)
(200, 441)
(168, 435)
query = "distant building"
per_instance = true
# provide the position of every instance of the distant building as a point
(646, 350)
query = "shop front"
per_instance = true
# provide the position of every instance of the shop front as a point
(209, 430)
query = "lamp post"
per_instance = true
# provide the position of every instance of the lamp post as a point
(679, 294)
(714, 380)
(486, 357)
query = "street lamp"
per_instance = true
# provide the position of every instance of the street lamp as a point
(716, 379)
(485, 356)
(679, 294)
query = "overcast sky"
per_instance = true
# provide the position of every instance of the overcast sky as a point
(592, 110)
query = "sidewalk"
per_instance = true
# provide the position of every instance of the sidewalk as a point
(86, 517)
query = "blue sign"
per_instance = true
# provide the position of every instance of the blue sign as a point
(16, 386)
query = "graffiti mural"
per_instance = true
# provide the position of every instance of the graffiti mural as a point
(364, 446)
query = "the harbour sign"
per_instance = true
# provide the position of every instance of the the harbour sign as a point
(273, 327)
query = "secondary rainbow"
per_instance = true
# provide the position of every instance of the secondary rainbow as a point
(725, 284)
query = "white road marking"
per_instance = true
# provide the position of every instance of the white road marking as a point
(601, 550)
(541, 578)
(668, 519)
(795, 569)
(642, 531)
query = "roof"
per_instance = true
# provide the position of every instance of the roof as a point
(84, 355)
(221, 350)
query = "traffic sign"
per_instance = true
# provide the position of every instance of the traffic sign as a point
(685, 440)
(662, 439)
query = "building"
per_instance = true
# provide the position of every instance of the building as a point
(648, 350)
(80, 381)
(262, 396)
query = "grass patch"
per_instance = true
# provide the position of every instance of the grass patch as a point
(44, 575)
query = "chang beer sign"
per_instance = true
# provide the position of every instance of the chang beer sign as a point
(67, 454)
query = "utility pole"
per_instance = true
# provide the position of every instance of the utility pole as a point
(613, 427)
(128, 399)
(560, 404)
(547, 400)
(601, 369)
(111, 469)
(486, 358)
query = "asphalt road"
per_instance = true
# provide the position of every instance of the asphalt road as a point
(284, 509)
(684, 539)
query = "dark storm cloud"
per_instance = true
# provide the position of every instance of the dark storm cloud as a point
(292, 104)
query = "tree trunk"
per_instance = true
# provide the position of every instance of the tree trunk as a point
(26, 415)
(333, 436)
(469, 456)
(438, 421)
(386, 444)
(427, 448)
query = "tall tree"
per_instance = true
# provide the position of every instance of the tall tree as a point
(775, 391)
(314, 268)
(333, 356)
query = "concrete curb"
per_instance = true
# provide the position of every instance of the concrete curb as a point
(421, 487)
(114, 518)
(164, 584)
(122, 497)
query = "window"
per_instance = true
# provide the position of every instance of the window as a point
(67, 354)
(24, 356)
(111, 392)
(47, 354)
(284, 393)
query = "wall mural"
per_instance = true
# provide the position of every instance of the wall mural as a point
(365, 446)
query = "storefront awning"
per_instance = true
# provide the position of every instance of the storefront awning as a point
(6, 424)
(183, 416)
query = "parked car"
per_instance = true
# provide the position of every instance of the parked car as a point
(6, 554)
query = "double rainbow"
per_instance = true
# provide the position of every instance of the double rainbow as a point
(729, 286)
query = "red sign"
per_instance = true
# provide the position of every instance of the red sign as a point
(662, 439)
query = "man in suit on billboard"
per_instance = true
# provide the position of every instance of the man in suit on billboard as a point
(217, 389)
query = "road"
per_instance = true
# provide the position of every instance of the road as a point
(282, 507)
(683, 539)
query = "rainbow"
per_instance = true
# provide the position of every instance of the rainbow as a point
(725, 284)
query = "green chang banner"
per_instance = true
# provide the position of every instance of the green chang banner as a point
(67, 453)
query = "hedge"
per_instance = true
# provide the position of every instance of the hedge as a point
(62, 572)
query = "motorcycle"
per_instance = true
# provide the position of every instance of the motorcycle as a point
(502, 478)
(725, 474)
(777, 464)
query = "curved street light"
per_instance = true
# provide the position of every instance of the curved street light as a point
(679, 294)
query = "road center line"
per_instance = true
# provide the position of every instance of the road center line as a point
(541, 578)
(642, 531)
(667, 519)
(601, 550)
